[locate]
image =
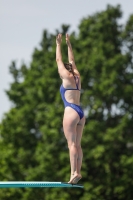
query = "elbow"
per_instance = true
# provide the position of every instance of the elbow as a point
(58, 60)
(72, 61)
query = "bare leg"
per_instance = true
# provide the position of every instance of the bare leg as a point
(73, 134)
(70, 122)
(80, 127)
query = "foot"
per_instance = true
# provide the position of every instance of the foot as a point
(76, 179)
(73, 177)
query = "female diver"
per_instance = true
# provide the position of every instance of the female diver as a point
(74, 119)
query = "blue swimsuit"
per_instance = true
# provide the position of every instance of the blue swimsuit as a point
(76, 107)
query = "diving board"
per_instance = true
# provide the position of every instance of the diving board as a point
(35, 184)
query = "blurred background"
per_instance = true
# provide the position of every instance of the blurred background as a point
(22, 23)
(32, 143)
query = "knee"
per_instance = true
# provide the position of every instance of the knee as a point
(72, 145)
(79, 146)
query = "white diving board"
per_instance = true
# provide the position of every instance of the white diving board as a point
(36, 184)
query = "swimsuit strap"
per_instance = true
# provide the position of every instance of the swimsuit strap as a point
(77, 83)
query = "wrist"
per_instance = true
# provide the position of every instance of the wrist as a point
(69, 45)
(58, 44)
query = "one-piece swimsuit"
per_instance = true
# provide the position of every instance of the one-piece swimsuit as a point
(76, 107)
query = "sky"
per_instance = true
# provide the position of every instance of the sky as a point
(22, 23)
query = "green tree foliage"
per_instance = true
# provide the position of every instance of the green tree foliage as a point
(108, 97)
(32, 145)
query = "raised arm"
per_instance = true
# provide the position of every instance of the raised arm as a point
(62, 70)
(70, 53)
(58, 48)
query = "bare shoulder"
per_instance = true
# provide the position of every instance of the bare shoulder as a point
(68, 80)
(62, 70)
(76, 72)
(75, 68)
